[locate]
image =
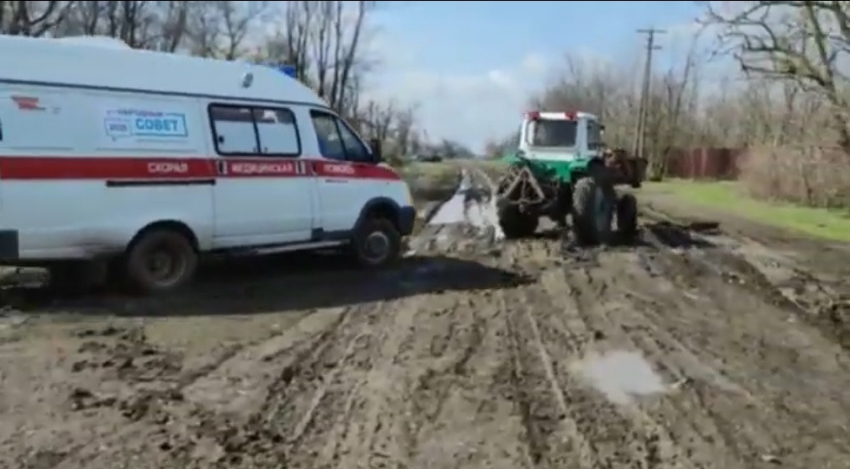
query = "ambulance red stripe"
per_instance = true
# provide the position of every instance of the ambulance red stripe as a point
(94, 168)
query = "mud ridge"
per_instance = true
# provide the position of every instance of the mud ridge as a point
(828, 311)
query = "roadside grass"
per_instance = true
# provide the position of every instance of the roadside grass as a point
(435, 181)
(430, 181)
(730, 198)
(493, 168)
(445, 172)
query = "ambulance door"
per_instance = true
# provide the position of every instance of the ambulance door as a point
(342, 193)
(264, 192)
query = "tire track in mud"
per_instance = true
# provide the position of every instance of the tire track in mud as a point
(309, 395)
(531, 391)
(553, 437)
(613, 436)
(568, 424)
(423, 401)
(385, 393)
(777, 382)
(468, 418)
(495, 378)
(489, 379)
(611, 316)
(821, 300)
(337, 393)
(206, 414)
(699, 423)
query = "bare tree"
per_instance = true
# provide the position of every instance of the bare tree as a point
(236, 19)
(298, 21)
(800, 41)
(204, 28)
(32, 18)
(174, 24)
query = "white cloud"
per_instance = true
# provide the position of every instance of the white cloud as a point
(535, 63)
(469, 108)
(715, 69)
(473, 107)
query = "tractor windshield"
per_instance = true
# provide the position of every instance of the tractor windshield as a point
(553, 133)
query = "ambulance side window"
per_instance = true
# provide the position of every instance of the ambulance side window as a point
(336, 140)
(254, 131)
(233, 130)
(327, 133)
(354, 148)
(277, 132)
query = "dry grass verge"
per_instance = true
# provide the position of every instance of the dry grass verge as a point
(811, 176)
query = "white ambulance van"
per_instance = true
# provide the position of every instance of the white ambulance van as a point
(147, 161)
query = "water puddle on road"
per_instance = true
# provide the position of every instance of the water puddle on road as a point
(620, 375)
(472, 205)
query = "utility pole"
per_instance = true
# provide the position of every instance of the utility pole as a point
(640, 135)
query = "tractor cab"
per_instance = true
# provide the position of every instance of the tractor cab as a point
(560, 136)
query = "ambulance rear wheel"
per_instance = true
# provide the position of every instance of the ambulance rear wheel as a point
(160, 261)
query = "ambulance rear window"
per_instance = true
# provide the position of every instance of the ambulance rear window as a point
(254, 130)
(230, 114)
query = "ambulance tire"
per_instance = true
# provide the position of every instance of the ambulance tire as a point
(160, 261)
(376, 243)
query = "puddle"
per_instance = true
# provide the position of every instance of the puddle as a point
(469, 205)
(453, 211)
(620, 375)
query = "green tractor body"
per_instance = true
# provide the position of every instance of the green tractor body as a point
(562, 169)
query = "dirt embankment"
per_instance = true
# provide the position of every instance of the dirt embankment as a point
(693, 348)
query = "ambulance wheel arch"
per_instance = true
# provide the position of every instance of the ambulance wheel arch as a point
(381, 207)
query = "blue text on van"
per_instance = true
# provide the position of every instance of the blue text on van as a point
(166, 126)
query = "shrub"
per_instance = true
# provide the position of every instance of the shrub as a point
(816, 176)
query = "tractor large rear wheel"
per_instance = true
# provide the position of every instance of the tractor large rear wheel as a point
(592, 211)
(515, 223)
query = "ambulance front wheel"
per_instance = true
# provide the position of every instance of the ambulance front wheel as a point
(376, 243)
(160, 261)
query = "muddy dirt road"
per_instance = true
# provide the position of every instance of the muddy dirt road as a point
(694, 348)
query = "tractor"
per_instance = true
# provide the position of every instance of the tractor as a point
(562, 168)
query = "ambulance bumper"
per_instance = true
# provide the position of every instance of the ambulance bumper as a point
(9, 245)
(406, 220)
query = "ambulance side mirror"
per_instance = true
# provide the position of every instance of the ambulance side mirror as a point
(375, 148)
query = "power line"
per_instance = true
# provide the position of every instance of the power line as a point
(640, 134)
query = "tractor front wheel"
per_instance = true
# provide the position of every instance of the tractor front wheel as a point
(515, 223)
(592, 211)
